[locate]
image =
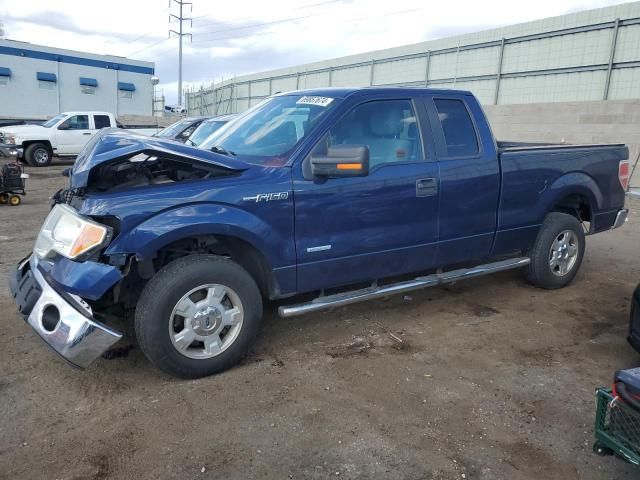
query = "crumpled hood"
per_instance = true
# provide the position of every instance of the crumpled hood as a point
(112, 144)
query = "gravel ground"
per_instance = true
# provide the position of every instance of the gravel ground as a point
(486, 379)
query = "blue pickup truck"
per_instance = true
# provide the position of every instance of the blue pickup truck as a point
(342, 194)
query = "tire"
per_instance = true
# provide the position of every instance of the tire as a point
(198, 315)
(4, 198)
(38, 155)
(15, 200)
(563, 234)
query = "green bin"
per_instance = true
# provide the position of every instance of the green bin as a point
(617, 427)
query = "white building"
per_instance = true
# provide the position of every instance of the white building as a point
(38, 81)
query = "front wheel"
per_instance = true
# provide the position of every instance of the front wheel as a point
(557, 253)
(38, 155)
(199, 315)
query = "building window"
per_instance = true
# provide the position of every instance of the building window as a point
(46, 81)
(5, 74)
(88, 85)
(46, 85)
(126, 89)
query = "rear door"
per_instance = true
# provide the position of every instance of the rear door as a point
(469, 179)
(364, 228)
(72, 134)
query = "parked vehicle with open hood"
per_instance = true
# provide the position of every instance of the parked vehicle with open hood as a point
(310, 191)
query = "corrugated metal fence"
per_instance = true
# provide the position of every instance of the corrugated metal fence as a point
(591, 62)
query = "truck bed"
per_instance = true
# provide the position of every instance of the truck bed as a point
(537, 176)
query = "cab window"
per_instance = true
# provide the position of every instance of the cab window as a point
(388, 127)
(75, 122)
(457, 126)
(101, 121)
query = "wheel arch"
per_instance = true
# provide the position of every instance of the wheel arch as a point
(238, 249)
(576, 194)
(46, 143)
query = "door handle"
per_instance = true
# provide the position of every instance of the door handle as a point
(426, 187)
(87, 133)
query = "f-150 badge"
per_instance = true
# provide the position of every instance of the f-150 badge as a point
(267, 197)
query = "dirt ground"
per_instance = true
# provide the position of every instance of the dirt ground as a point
(492, 379)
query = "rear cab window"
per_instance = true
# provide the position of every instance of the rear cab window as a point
(457, 126)
(101, 121)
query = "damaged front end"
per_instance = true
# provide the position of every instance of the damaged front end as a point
(115, 160)
(70, 284)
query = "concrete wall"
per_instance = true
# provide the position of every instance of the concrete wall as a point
(611, 121)
(23, 96)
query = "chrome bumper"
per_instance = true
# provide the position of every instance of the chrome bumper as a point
(621, 218)
(72, 333)
(11, 151)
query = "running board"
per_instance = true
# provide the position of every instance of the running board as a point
(347, 298)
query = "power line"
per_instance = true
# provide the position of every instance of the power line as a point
(273, 22)
(148, 47)
(144, 35)
(400, 12)
(231, 22)
(236, 20)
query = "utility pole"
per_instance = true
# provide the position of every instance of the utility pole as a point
(180, 18)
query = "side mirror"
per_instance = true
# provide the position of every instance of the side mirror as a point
(342, 161)
(63, 126)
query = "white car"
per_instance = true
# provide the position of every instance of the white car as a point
(63, 135)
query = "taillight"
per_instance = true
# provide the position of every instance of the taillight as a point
(624, 172)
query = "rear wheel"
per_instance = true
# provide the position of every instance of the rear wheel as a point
(557, 253)
(15, 200)
(4, 198)
(38, 155)
(198, 316)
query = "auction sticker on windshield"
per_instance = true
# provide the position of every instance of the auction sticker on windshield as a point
(320, 101)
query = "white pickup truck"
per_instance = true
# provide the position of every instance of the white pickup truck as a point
(63, 135)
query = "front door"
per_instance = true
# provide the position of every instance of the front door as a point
(73, 133)
(357, 229)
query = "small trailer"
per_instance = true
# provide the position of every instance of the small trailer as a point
(12, 182)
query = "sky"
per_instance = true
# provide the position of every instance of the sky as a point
(236, 37)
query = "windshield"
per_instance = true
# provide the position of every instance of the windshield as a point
(268, 133)
(53, 121)
(174, 129)
(204, 130)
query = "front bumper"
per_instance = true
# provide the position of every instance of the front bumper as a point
(11, 151)
(64, 321)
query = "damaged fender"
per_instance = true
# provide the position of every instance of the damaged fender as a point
(89, 280)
